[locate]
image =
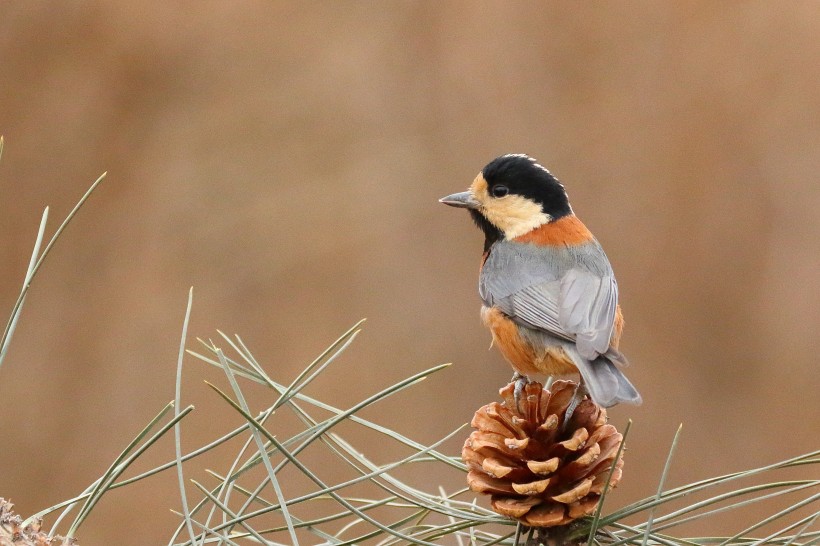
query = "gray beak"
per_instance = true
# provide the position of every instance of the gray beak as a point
(463, 200)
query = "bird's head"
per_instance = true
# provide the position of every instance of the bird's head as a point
(511, 196)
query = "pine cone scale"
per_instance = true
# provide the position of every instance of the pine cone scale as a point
(531, 488)
(513, 507)
(544, 468)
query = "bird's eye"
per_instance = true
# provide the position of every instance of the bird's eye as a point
(500, 191)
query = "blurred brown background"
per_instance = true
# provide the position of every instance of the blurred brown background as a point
(285, 159)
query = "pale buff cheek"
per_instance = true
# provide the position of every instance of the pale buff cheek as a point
(514, 215)
(479, 189)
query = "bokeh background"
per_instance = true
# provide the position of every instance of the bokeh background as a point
(285, 159)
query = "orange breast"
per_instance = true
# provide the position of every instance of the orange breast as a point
(522, 356)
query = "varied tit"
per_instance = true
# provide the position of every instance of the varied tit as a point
(549, 293)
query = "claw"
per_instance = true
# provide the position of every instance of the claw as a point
(520, 382)
(580, 393)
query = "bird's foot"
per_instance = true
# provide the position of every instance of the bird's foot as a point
(580, 393)
(520, 382)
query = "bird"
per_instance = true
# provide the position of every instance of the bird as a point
(548, 292)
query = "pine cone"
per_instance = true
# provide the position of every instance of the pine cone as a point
(535, 468)
(12, 532)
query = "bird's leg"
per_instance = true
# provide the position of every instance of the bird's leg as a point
(580, 392)
(521, 381)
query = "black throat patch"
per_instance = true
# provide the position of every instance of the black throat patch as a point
(491, 233)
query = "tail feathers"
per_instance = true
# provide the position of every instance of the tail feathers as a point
(607, 385)
(617, 357)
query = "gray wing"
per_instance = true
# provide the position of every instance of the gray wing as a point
(569, 292)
